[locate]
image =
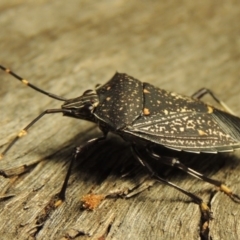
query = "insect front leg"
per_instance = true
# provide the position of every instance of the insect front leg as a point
(23, 132)
(206, 213)
(78, 150)
(203, 91)
(174, 162)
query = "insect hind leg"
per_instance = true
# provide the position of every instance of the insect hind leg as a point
(174, 162)
(206, 213)
(203, 91)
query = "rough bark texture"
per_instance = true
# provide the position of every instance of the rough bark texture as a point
(66, 47)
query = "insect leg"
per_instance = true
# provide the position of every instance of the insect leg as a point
(26, 82)
(203, 91)
(78, 150)
(23, 132)
(206, 213)
(174, 162)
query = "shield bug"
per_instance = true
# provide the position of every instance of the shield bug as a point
(148, 117)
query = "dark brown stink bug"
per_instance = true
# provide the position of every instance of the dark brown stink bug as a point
(147, 117)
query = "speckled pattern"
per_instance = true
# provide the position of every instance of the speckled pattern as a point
(184, 123)
(120, 101)
(166, 118)
(140, 111)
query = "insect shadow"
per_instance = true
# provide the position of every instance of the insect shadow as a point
(113, 158)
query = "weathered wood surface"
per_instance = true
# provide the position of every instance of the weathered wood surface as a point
(66, 47)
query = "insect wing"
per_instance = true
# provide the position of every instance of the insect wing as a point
(184, 123)
(228, 122)
(192, 132)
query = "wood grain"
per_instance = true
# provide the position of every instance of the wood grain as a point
(68, 47)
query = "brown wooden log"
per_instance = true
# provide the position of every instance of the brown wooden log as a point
(66, 47)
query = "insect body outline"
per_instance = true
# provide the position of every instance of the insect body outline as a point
(147, 116)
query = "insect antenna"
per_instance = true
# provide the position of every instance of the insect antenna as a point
(23, 132)
(26, 82)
